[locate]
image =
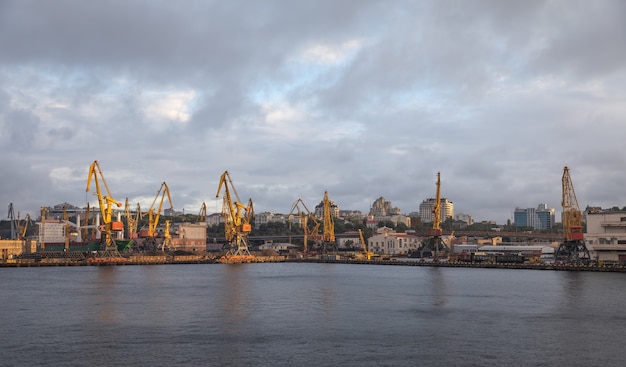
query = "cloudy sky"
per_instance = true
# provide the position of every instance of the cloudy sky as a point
(360, 98)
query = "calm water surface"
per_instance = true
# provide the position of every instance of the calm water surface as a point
(310, 315)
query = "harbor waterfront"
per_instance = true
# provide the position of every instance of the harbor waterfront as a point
(317, 314)
(168, 260)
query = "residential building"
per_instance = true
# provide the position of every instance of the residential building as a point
(540, 218)
(319, 209)
(464, 218)
(383, 208)
(391, 243)
(427, 206)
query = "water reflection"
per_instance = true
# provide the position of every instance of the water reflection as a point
(572, 290)
(104, 298)
(232, 314)
(438, 287)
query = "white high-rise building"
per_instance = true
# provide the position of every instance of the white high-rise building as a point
(426, 209)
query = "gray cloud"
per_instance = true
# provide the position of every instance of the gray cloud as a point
(360, 98)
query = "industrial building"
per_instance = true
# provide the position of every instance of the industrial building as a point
(391, 243)
(191, 237)
(606, 235)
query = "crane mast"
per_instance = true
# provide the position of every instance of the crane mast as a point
(237, 218)
(436, 228)
(108, 247)
(573, 248)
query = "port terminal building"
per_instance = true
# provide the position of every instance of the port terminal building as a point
(605, 237)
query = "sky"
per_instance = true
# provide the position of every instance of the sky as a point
(359, 98)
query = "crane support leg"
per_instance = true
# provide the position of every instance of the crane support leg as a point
(574, 252)
(433, 247)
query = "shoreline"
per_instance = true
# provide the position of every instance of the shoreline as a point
(161, 260)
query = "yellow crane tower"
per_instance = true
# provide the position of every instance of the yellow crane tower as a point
(329, 224)
(153, 220)
(106, 202)
(306, 215)
(237, 220)
(434, 245)
(573, 248)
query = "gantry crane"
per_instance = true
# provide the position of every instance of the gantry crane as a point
(434, 245)
(304, 216)
(329, 225)
(237, 219)
(108, 247)
(153, 220)
(573, 248)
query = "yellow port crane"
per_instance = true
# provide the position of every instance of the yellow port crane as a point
(436, 228)
(153, 219)
(237, 219)
(202, 214)
(329, 224)
(573, 248)
(21, 229)
(306, 215)
(367, 254)
(132, 220)
(106, 202)
(434, 245)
